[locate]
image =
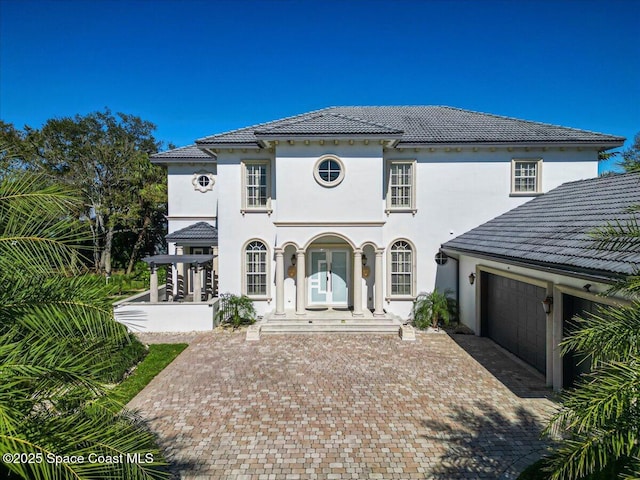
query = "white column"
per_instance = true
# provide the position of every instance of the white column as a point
(279, 281)
(300, 287)
(379, 311)
(153, 284)
(357, 283)
(197, 284)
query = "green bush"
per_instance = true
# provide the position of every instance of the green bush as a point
(130, 354)
(236, 310)
(429, 309)
(138, 280)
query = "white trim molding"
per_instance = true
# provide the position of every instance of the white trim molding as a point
(329, 224)
(327, 182)
(411, 207)
(537, 179)
(412, 295)
(246, 208)
(268, 280)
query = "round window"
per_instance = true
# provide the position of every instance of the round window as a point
(441, 258)
(329, 171)
(203, 181)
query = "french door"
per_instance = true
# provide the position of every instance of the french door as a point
(329, 277)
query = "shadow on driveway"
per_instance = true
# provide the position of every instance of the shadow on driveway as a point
(484, 442)
(522, 380)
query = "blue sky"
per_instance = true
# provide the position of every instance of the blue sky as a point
(196, 68)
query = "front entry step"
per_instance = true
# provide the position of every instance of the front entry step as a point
(310, 326)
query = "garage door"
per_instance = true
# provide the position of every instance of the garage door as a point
(573, 364)
(513, 317)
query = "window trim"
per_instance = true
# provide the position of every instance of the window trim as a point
(320, 180)
(243, 253)
(245, 207)
(538, 190)
(390, 295)
(195, 181)
(412, 208)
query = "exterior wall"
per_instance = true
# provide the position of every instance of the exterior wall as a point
(235, 229)
(299, 198)
(186, 205)
(455, 191)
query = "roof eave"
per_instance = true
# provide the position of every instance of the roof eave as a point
(328, 136)
(602, 276)
(169, 160)
(600, 145)
(209, 144)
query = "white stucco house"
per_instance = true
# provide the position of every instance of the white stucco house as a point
(347, 207)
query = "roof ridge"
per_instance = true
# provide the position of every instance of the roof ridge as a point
(322, 113)
(178, 150)
(603, 177)
(250, 127)
(367, 122)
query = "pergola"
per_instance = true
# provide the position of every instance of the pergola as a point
(195, 263)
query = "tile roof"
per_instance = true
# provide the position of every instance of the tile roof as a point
(198, 231)
(326, 124)
(415, 124)
(554, 230)
(188, 152)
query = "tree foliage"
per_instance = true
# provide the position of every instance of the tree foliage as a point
(13, 145)
(631, 156)
(105, 158)
(59, 345)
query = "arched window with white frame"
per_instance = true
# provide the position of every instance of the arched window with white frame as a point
(256, 269)
(401, 269)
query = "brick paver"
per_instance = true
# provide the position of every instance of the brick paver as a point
(342, 407)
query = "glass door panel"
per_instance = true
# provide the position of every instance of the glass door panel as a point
(318, 278)
(339, 277)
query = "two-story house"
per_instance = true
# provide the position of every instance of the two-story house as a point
(346, 207)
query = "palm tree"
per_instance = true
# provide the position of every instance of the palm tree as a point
(599, 421)
(58, 342)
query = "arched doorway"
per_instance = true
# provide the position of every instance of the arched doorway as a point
(329, 266)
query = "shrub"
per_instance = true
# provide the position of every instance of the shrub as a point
(236, 310)
(429, 309)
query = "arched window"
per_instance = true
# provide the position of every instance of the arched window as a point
(256, 268)
(401, 268)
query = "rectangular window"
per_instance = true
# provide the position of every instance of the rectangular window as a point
(401, 186)
(256, 186)
(256, 272)
(526, 176)
(401, 272)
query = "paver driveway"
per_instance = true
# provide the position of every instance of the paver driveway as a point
(346, 406)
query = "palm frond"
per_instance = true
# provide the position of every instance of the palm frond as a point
(618, 235)
(37, 232)
(601, 420)
(613, 333)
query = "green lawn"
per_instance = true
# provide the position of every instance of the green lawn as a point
(157, 359)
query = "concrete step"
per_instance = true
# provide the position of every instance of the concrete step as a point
(381, 326)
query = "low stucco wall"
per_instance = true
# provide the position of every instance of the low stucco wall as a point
(141, 316)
